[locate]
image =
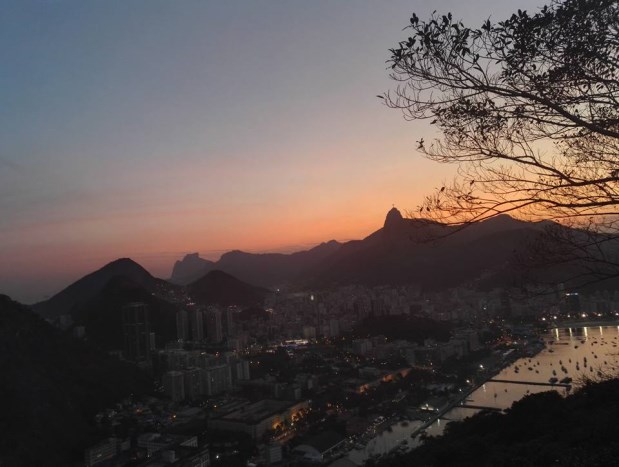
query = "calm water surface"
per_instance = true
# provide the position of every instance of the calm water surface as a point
(570, 352)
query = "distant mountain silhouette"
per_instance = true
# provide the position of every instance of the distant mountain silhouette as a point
(190, 268)
(52, 386)
(403, 251)
(264, 269)
(220, 288)
(425, 252)
(499, 252)
(88, 286)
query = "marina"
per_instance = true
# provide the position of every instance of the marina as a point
(570, 356)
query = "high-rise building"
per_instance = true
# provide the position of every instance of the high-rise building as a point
(572, 302)
(136, 331)
(217, 379)
(182, 325)
(214, 331)
(228, 321)
(197, 325)
(193, 382)
(309, 332)
(240, 370)
(334, 328)
(174, 385)
(101, 452)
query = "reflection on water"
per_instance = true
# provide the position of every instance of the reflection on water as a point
(569, 353)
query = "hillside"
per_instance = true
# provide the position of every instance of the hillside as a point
(101, 315)
(52, 386)
(78, 293)
(427, 253)
(220, 288)
(540, 430)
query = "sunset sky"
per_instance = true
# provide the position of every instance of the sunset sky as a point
(150, 129)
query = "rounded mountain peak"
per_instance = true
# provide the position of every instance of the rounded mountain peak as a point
(394, 217)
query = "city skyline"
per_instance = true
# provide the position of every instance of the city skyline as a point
(153, 131)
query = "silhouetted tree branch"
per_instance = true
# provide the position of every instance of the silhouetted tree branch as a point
(528, 110)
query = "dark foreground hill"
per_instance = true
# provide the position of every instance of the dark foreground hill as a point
(101, 315)
(543, 429)
(220, 288)
(84, 289)
(52, 386)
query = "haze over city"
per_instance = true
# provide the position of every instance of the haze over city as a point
(149, 131)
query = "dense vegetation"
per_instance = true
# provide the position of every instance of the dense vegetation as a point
(539, 430)
(403, 327)
(52, 386)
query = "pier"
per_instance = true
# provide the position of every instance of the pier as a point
(530, 383)
(481, 407)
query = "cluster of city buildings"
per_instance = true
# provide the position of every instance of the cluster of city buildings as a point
(461, 343)
(159, 450)
(211, 372)
(192, 374)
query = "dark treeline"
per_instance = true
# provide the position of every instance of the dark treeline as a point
(403, 327)
(539, 430)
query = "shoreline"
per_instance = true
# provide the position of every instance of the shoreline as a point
(536, 347)
(456, 403)
(465, 394)
(582, 324)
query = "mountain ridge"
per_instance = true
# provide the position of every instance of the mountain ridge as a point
(420, 251)
(395, 253)
(261, 269)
